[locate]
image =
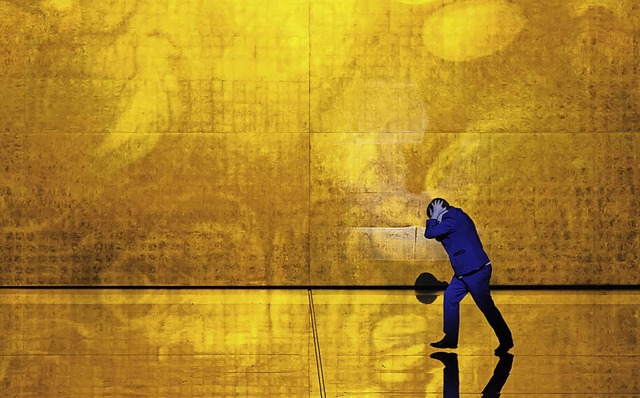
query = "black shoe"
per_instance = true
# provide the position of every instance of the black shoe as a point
(444, 343)
(503, 348)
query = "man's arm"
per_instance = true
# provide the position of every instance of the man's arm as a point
(435, 229)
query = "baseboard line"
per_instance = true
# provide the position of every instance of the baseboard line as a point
(312, 287)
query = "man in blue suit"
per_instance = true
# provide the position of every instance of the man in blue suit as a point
(456, 231)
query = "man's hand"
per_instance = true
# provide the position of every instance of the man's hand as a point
(438, 209)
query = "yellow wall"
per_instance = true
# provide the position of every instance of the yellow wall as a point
(240, 142)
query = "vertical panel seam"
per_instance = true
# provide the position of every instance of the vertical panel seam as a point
(309, 141)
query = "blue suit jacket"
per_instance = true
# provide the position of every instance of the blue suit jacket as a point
(458, 235)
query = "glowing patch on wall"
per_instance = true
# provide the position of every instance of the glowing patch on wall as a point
(429, 2)
(472, 29)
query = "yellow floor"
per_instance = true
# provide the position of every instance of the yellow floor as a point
(266, 343)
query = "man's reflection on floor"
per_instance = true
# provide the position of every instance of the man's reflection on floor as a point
(452, 375)
(427, 288)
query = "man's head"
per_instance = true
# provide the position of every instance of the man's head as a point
(432, 204)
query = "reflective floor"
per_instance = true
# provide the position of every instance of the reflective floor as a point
(299, 343)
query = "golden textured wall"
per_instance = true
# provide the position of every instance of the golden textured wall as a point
(240, 142)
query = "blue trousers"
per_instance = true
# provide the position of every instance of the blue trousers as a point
(478, 285)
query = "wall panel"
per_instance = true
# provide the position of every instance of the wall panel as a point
(298, 142)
